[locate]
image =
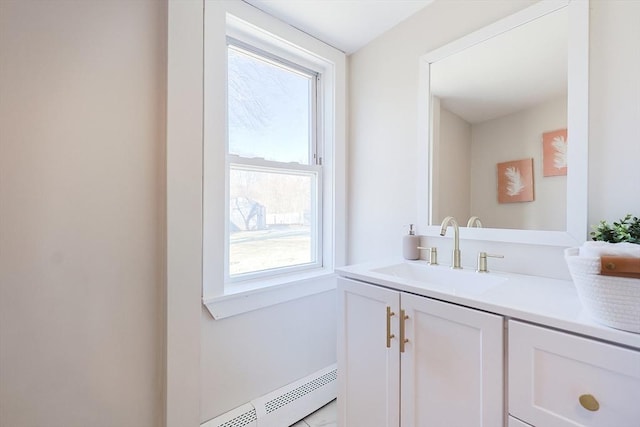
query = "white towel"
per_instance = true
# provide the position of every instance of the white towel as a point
(597, 249)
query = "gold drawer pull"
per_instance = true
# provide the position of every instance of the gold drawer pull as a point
(589, 402)
(389, 334)
(403, 339)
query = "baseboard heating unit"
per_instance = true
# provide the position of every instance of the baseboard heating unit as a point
(284, 406)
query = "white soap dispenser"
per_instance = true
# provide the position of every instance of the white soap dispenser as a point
(410, 244)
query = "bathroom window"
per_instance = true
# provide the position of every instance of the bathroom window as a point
(274, 165)
(273, 159)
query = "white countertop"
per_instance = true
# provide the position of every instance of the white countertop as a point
(549, 302)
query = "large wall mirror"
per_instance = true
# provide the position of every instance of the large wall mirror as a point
(504, 125)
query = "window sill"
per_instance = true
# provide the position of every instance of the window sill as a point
(258, 294)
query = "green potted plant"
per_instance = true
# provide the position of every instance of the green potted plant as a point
(626, 229)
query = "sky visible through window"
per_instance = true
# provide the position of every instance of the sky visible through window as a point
(268, 110)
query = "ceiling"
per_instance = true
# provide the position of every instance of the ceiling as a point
(346, 25)
(533, 70)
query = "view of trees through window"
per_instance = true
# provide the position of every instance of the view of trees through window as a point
(272, 201)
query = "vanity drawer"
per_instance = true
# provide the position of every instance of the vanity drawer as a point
(553, 376)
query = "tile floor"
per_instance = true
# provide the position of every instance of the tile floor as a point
(323, 417)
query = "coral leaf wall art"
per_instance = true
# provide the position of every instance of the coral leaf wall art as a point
(515, 181)
(554, 153)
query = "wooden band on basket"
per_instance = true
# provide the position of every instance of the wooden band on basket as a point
(620, 266)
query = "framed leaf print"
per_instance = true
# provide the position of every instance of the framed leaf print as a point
(515, 181)
(554, 153)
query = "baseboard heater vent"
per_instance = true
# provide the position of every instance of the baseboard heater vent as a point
(243, 416)
(284, 406)
(302, 391)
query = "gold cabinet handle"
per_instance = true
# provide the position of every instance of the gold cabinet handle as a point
(389, 334)
(589, 402)
(403, 340)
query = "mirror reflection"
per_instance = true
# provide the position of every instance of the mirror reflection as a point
(492, 106)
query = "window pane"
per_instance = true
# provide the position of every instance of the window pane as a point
(271, 219)
(269, 107)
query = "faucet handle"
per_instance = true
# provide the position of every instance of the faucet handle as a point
(482, 261)
(433, 254)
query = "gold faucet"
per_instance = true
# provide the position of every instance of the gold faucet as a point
(455, 259)
(474, 220)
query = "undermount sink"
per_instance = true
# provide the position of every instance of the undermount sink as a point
(445, 278)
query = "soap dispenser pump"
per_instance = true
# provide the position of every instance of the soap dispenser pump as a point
(410, 244)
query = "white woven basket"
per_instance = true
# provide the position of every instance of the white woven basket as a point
(612, 301)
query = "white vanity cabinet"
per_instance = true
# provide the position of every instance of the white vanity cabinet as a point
(514, 422)
(558, 379)
(411, 361)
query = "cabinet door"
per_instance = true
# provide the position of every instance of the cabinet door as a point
(514, 422)
(560, 380)
(452, 366)
(368, 370)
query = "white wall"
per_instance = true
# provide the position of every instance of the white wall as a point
(383, 89)
(81, 203)
(614, 109)
(384, 83)
(185, 39)
(82, 88)
(248, 355)
(453, 195)
(513, 137)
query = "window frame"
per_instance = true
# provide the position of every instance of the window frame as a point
(251, 26)
(260, 165)
(313, 166)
